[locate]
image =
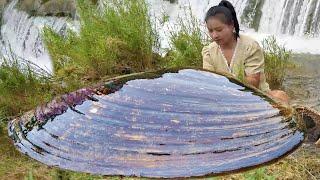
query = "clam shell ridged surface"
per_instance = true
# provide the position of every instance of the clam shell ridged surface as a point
(180, 124)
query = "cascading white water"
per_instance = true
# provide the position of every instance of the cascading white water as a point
(299, 17)
(199, 9)
(21, 36)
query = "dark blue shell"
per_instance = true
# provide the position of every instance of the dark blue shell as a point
(166, 124)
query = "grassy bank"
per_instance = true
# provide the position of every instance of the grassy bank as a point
(187, 41)
(277, 60)
(22, 87)
(110, 44)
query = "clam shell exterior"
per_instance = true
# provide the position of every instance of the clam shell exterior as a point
(182, 123)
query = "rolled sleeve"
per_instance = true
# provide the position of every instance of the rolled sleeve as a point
(255, 62)
(207, 62)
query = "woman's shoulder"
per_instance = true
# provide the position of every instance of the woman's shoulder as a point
(210, 47)
(249, 42)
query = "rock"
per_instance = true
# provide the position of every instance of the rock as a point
(48, 7)
(3, 4)
(29, 6)
(58, 8)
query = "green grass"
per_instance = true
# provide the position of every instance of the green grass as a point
(22, 87)
(108, 43)
(277, 60)
(186, 43)
(302, 164)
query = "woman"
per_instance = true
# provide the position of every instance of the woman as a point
(233, 53)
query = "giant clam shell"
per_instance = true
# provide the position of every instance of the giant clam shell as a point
(173, 123)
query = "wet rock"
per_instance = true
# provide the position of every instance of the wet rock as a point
(58, 8)
(252, 13)
(48, 7)
(3, 4)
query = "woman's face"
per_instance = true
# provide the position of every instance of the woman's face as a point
(219, 32)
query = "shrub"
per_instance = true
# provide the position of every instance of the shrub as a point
(22, 87)
(118, 37)
(186, 43)
(277, 60)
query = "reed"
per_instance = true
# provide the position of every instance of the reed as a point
(277, 60)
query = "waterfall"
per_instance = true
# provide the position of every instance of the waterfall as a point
(298, 18)
(198, 8)
(21, 36)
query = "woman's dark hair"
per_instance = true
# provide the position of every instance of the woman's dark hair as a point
(226, 13)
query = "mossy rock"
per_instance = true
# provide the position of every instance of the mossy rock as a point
(252, 13)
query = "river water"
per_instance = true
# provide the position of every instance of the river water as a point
(302, 82)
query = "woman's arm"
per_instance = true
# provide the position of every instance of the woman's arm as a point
(253, 79)
(254, 65)
(206, 59)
